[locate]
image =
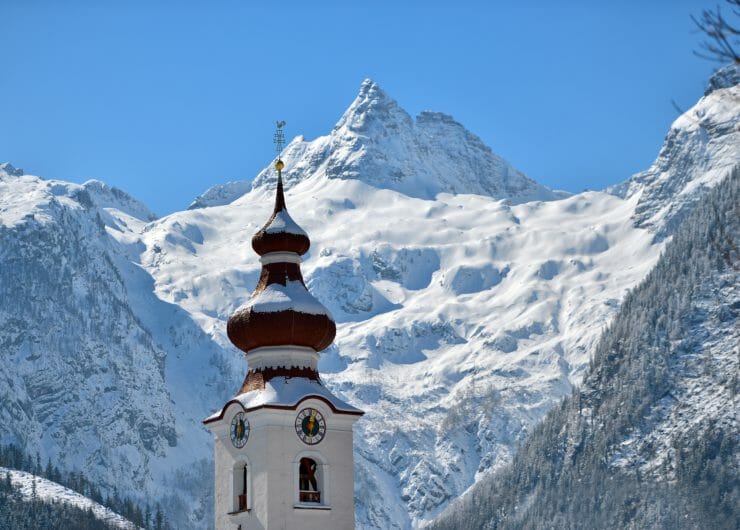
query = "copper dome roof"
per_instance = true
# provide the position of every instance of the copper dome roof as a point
(281, 311)
(280, 233)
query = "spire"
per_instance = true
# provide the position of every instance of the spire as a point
(279, 196)
(280, 233)
(281, 313)
(279, 140)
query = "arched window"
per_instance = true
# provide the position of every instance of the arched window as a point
(311, 480)
(309, 483)
(240, 486)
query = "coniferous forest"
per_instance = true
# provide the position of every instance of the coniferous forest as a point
(17, 512)
(34, 513)
(573, 470)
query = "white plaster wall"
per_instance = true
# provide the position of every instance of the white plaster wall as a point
(273, 450)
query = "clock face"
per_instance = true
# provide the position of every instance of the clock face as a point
(239, 430)
(310, 426)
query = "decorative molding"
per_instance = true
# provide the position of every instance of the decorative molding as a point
(256, 379)
(334, 409)
(282, 357)
(280, 257)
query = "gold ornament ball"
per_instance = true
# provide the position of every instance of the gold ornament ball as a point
(279, 165)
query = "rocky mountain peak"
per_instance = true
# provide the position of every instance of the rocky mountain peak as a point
(369, 89)
(699, 151)
(372, 113)
(8, 169)
(379, 143)
(725, 77)
(105, 196)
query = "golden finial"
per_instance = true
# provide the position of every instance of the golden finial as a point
(279, 139)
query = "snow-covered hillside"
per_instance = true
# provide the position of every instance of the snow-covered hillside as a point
(460, 319)
(46, 490)
(469, 299)
(98, 374)
(650, 439)
(221, 194)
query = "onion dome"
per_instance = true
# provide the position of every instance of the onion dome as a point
(280, 233)
(281, 311)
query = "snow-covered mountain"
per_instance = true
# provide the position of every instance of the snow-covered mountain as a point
(221, 194)
(97, 373)
(378, 143)
(107, 197)
(650, 440)
(469, 300)
(8, 169)
(700, 150)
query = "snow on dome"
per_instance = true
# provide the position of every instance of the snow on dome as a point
(281, 311)
(283, 223)
(293, 296)
(281, 233)
(281, 315)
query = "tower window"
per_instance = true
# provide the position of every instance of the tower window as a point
(240, 487)
(308, 481)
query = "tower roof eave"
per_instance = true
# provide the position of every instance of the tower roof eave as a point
(285, 393)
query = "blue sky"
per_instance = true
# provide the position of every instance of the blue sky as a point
(164, 99)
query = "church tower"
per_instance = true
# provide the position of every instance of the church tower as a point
(283, 444)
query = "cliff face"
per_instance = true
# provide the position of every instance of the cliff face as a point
(90, 357)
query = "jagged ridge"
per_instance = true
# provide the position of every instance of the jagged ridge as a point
(378, 143)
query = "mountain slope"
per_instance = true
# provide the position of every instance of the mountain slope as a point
(650, 439)
(107, 197)
(70, 343)
(33, 488)
(84, 378)
(699, 151)
(221, 194)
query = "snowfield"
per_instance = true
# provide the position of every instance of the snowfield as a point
(461, 320)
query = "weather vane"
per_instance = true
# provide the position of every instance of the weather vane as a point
(279, 137)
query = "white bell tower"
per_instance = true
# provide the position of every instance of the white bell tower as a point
(283, 444)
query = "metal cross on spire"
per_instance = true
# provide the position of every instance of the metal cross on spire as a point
(279, 137)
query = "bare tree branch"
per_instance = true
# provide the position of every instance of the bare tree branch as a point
(722, 40)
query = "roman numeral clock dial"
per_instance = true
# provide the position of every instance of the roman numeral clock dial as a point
(310, 426)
